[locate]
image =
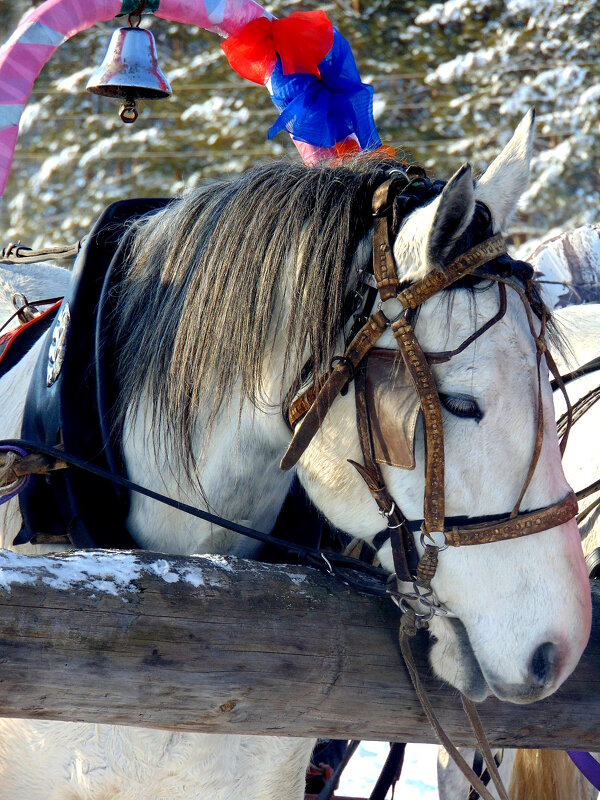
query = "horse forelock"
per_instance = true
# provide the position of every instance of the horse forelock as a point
(203, 294)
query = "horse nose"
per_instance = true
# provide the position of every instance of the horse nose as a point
(544, 665)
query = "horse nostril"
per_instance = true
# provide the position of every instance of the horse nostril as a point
(544, 664)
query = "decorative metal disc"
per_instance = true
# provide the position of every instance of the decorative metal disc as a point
(58, 345)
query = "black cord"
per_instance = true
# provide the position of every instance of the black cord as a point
(322, 560)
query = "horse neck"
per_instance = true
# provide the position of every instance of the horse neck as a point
(238, 477)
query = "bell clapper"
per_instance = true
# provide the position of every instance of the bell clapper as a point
(128, 112)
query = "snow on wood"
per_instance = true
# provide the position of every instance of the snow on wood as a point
(217, 644)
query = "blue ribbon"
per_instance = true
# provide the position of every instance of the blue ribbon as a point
(587, 765)
(326, 111)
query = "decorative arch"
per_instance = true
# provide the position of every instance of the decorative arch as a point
(323, 104)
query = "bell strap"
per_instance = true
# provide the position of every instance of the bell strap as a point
(339, 376)
(424, 383)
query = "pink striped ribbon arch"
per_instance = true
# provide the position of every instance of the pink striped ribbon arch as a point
(46, 27)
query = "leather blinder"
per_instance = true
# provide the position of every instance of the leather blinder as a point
(393, 407)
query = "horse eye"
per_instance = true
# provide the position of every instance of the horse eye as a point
(461, 405)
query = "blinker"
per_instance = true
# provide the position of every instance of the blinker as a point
(130, 71)
(393, 407)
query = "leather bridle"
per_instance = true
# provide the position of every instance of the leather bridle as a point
(437, 531)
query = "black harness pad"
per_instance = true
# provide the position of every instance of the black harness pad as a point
(74, 412)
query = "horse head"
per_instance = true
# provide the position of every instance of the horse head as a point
(520, 609)
(239, 296)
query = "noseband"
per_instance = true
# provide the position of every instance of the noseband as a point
(437, 532)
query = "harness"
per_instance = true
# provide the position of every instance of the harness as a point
(69, 398)
(437, 530)
(33, 323)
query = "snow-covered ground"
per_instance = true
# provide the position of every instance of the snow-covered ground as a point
(419, 776)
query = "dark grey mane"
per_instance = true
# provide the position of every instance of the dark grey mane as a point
(205, 275)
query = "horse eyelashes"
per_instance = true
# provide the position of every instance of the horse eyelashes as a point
(462, 405)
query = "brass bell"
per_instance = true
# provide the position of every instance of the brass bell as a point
(130, 71)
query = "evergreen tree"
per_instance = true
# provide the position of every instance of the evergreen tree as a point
(451, 81)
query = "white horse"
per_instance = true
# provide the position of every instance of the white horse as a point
(569, 267)
(240, 284)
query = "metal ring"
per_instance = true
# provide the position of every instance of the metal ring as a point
(387, 319)
(343, 360)
(429, 535)
(426, 616)
(389, 513)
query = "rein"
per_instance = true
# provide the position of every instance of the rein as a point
(33, 458)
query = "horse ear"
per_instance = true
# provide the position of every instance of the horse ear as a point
(507, 177)
(454, 212)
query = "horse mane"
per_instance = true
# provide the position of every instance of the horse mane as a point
(208, 280)
(547, 775)
(202, 295)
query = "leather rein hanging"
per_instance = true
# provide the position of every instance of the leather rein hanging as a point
(437, 530)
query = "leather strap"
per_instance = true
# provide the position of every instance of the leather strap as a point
(524, 524)
(407, 632)
(421, 376)
(539, 432)
(339, 376)
(404, 550)
(302, 404)
(437, 280)
(443, 356)
(484, 747)
(384, 266)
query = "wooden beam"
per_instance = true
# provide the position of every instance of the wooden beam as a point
(224, 645)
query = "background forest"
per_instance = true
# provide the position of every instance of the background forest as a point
(451, 81)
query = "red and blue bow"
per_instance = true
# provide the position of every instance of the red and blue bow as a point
(314, 81)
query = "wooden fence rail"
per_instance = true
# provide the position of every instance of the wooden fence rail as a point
(224, 645)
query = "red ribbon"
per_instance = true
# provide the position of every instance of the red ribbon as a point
(302, 41)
